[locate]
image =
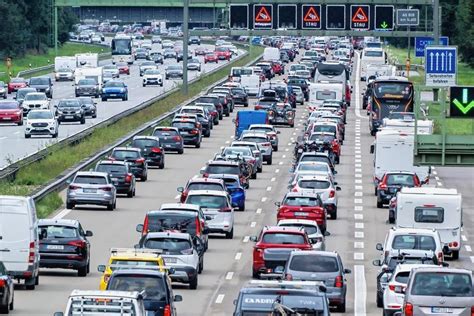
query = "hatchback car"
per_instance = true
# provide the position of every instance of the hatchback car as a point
(174, 71)
(151, 149)
(111, 69)
(210, 58)
(234, 188)
(120, 174)
(226, 167)
(315, 235)
(64, 244)
(271, 132)
(194, 64)
(10, 112)
(92, 188)
(391, 183)
(263, 142)
(42, 84)
(170, 138)
(134, 158)
(16, 83)
(190, 131)
(114, 89)
(196, 183)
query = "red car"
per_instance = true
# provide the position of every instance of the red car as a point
(17, 83)
(201, 184)
(223, 53)
(11, 112)
(278, 68)
(123, 68)
(210, 58)
(298, 205)
(270, 248)
(392, 182)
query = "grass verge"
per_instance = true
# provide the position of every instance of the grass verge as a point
(39, 173)
(34, 61)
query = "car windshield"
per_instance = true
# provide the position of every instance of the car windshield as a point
(325, 128)
(8, 105)
(441, 283)
(171, 245)
(313, 184)
(153, 286)
(90, 180)
(57, 231)
(405, 116)
(205, 186)
(39, 81)
(145, 143)
(283, 238)
(114, 84)
(174, 67)
(17, 80)
(208, 201)
(400, 179)
(163, 222)
(125, 154)
(301, 201)
(314, 263)
(35, 115)
(261, 128)
(69, 104)
(223, 169)
(87, 82)
(312, 167)
(35, 97)
(414, 242)
(111, 168)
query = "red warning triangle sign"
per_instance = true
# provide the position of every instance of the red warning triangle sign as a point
(311, 15)
(360, 16)
(263, 16)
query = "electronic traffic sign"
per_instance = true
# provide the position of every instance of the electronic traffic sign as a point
(360, 17)
(263, 16)
(239, 16)
(461, 102)
(311, 16)
(287, 16)
(384, 16)
(335, 17)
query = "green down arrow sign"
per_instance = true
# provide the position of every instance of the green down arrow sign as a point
(465, 106)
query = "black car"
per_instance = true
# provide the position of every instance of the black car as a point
(224, 101)
(134, 158)
(89, 106)
(87, 87)
(158, 299)
(157, 58)
(179, 56)
(151, 150)
(190, 131)
(302, 83)
(174, 71)
(42, 84)
(63, 244)
(214, 99)
(6, 290)
(240, 96)
(169, 53)
(170, 138)
(70, 110)
(141, 53)
(120, 174)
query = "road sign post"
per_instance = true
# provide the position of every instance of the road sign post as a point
(461, 102)
(440, 66)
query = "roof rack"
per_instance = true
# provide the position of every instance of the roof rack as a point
(288, 284)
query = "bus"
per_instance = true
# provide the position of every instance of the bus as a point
(387, 95)
(122, 49)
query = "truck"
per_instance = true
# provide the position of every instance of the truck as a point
(429, 207)
(246, 118)
(87, 60)
(88, 73)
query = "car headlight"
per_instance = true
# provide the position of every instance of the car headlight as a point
(122, 90)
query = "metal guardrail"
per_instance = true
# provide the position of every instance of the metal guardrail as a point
(61, 181)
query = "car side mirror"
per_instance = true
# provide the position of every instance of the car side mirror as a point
(326, 233)
(377, 263)
(89, 233)
(379, 247)
(278, 132)
(178, 298)
(139, 228)
(338, 189)
(253, 238)
(372, 149)
(202, 171)
(180, 189)
(277, 204)
(205, 230)
(101, 268)
(347, 271)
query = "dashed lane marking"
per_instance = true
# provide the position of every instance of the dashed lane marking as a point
(359, 235)
(220, 298)
(246, 239)
(358, 244)
(468, 248)
(258, 211)
(238, 256)
(358, 256)
(229, 275)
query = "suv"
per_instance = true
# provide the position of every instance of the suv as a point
(151, 150)
(273, 246)
(263, 142)
(134, 158)
(42, 84)
(271, 132)
(70, 110)
(190, 130)
(35, 101)
(391, 183)
(201, 184)
(89, 106)
(255, 150)
(320, 266)
(120, 174)
(87, 87)
(180, 251)
(152, 76)
(91, 188)
(225, 167)
(170, 138)
(41, 122)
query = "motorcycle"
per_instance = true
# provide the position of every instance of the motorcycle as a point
(282, 115)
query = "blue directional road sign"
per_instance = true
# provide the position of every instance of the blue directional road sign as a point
(422, 42)
(440, 66)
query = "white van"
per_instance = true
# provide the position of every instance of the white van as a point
(19, 242)
(325, 90)
(370, 56)
(437, 208)
(393, 151)
(271, 54)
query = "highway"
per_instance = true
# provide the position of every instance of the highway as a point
(227, 263)
(12, 136)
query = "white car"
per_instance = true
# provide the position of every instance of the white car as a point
(152, 76)
(318, 167)
(112, 70)
(41, 122)
(315, 235)
(35, 101)
(270, 130)
(96, 39)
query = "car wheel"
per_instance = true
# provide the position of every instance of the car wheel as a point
(254, 176)
(334, 213)
(104, 99)
(4, 309)
(216, 121)
(259, 169)
(193, 284)
(230, 234)
(270, 161)
(110, 207)
(198, 145)
(83, 120)
(379, 301)
(391, 218)
(242, 208)
(144, 177)
(130, 194)
(82, 271)
(12, 304)
(69, 205)
(181, 151)
(201, 266)
(30, 284)
(27, 136)
(275, 148)
(55, 135)
(372, 133)
(143, 85)
(455, 254)
(94, 116)
(162, 165)
(338, 159)
(255, 274)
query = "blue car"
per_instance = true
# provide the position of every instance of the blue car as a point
(234, 187)
(114, 89)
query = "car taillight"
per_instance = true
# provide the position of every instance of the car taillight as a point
(295, 189)
(128, 178)
(338, 282)
(258, 253)
(77, 243)
(266, 144)
(106, 278)
(194, 131)
(177, 138)
(289, 277)
(145, 226)
(382, 186)
(140, 161)
(225, 210)
(258, 107)
(332, 193)
(107, 189)
(74, 187)
(31, 256)
(156, 150)
(167, 310)
(198, 227)
(408, 309)
(2, 283)
(472, 310)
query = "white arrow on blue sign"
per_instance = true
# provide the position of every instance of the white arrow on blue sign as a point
(440, 65)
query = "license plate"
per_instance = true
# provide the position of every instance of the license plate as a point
(113, 95)
(68, 117)
(6, 118)
(114, 179)
(90, 190)
(170, 260)
(55, 247)
(441, 310)
(301, 214)
(167, 146)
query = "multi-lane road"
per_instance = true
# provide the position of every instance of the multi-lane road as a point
(227, 263)
(12, 136)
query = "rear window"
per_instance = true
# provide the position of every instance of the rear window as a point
(322, 138)
(165, 133)
(9, 105)
(153, 286)
(255, 139)
(144, 143)
(414, 242)
(301, 201)
(183, 125)
(400, 179)
(429, 215)
(371, 53)
(219, 169)
(314, 158)
(208, 201)
(170, 245)
(163, 222)
(325, 95)
(205, 186)
(308, 263)
(313, 167)
(402, 277)
(313, 184)
(111, 168)
(309, 229)
(90, 180)
(324, 128)
(118, 264)
(442, 284)
(56, 231)
(125, 154)
(283, 239)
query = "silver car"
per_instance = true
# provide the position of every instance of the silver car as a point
(234, 152)
(299, 94)
(263, 142)
(217, 207)
(111, 69)
(439, 291)
(255, 150)
(194, 64)
(271, 132)
(92, 188)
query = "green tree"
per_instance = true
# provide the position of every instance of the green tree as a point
(66, 20)
(39, 14)
(13, 28)
(464, 38)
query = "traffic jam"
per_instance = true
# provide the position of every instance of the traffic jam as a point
(304, 86)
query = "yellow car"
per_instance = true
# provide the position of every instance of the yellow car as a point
(130, 257)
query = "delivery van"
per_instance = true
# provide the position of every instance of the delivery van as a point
(246, 118)
(271, 54)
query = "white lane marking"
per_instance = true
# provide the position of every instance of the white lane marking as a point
(440, 184)
(359, 244)
(62, 214)
(238, 255)
(358, 234)
(16, 133)
(294, 133)
(289, 144)
(357, 201)
(359, 225)
(357, 152)
(287, 149)
(272, 179)
(360, 296)
(264, 199)
(358, 156)
(2, 138)
(246, 239)
(358, 165)
(253, 224)
(220, 298)
(359, 216)
(284, 156)
(435, 172)
(229, 275)
(358, 187)
(468, 248)
(258, 211)
(177, 196)
(358, 160)
(358, 181)
(277, 170)
(463, 237)
(358, 175)
(358, 208)
(227, 141)
(358, 193)
(269, 189)
(437, 178)
(472, 259)
(280, 163)
(358, 170)
(358, 256)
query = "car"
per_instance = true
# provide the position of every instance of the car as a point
(180, 251)
(194, 40)
(151, 149)
(7, 291)
(201, 51)
(87, 87)
(70, 110)
(321, 266)
(146, 65)
(194, 64)
(313, 168)
(156, 39)
(303, 205)
(197, 183)
(152, 76)
(135, 159)
(217, 206)
(157, 57)
(166, 44)
(35, 100)
(65, 73)
(64, 244)
(21, 93)
(169, 53)
(41, 122)
(180, 54)
(174, 71)
(16, 83)
(316, 156)
(244, 153)
(234, 187)
(225, 99)
(155, 285)
(170, 138)
(114, 89)
(240, 96)
(217, 111)
(329, 141)
(226, 167)
(270, 130)
(111, 69)
(223, 53)
(263, 142)
(190, 130)
(89, 106)
(120, 174)
(124, 68)
(126, 258)
(10, 112)
(391, 183)
(91, 188)
(315, 235)
(203, 116)
(273, 246)
(42, 84)
(211, 58)
(141, 53)
(255, 150)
